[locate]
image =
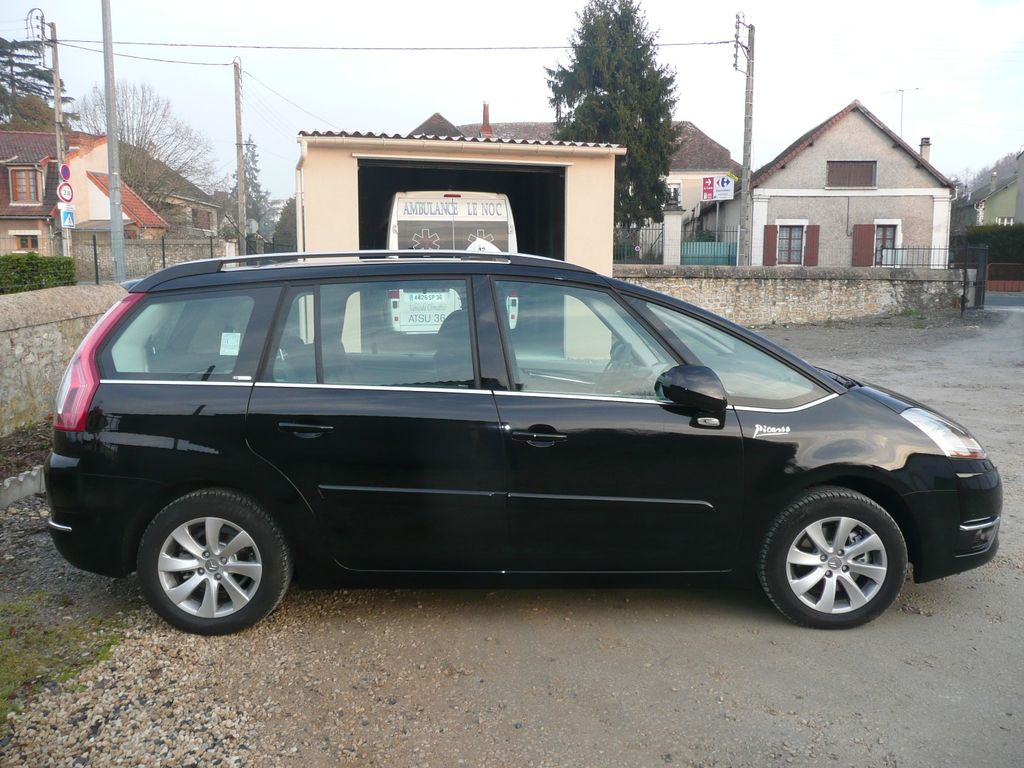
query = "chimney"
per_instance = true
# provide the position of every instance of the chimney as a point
(485, 127)
(926, 149)
(994, 182)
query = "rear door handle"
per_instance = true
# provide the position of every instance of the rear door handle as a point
(539, 439)
(304, 430)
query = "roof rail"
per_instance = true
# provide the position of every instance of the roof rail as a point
(210, 266)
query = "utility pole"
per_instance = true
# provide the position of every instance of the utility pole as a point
(58, 122)
(239, 159)
(113, 148)
(746, 193)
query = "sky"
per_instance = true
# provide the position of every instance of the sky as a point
(960, 66)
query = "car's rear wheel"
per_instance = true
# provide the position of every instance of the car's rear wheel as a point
(833, 559)
(213, 562)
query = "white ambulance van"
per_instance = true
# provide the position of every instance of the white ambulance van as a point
(461, 221)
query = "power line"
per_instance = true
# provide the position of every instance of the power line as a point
(388, 48)
(285, 98)
(150, 58)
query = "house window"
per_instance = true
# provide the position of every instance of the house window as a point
(27, 242)
(851, 173)
(201, 219)
(791, 245)
(1005, 221)
(24, 185)
(673, 193)
(885, 237)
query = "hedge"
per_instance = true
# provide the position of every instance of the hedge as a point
(30, 272)
(1005, 244)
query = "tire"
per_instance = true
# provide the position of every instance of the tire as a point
(220, 590)
(817, 581)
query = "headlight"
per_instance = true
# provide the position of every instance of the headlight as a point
(954, 441)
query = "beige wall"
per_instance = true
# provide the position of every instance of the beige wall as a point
(328, 188)
(854, 138)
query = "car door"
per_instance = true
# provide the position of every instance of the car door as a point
(370, 404)
(603, 474)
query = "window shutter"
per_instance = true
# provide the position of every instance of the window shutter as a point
(811, 236)
(863, 245)
(771, 245)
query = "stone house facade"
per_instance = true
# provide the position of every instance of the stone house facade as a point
(849, 192)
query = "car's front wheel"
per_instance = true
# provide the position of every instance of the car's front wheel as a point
(213, 562)
(833, 559)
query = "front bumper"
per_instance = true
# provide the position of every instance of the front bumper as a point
(957, 529)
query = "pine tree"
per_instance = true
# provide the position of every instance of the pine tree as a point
(22, 74)
(615, 91)
(284, 231)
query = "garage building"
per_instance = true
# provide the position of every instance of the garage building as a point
(561, 192)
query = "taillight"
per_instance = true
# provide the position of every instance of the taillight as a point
(82, 378)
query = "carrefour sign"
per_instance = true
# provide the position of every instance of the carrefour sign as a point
(717, 188)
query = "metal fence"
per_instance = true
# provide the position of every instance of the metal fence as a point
(1005, 277)
(710, 247)
(926, 256)
(94, 260)
(640, 245)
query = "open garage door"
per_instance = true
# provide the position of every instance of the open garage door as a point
(536, 195)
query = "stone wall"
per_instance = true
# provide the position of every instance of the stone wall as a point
(39, 331)
(142, 256)
(760, 296)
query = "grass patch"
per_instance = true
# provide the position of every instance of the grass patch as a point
(39, 647)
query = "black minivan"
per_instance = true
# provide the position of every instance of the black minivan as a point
(230, 422)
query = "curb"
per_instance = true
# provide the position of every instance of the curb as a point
(21, 486)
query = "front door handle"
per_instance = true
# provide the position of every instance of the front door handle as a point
(539, 436)
(304, 430)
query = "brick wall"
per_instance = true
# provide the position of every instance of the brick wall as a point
(759, 296)
(39, 331)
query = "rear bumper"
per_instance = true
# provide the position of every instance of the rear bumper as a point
(957, 529)
(87, 526)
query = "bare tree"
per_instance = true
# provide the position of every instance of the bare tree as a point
(158, 150)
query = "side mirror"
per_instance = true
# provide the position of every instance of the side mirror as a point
(694, 386)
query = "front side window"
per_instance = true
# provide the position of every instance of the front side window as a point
(791, 245)
(183, 338)
(751, 377)
(27, 242)
(382, 333)
(567, 340)
(885, 237)
(25, 185)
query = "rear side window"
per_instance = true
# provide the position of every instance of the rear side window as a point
(386, 333)
(193, 337)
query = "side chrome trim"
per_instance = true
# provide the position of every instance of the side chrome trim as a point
(618, 499)
(372, 388)
(58, 526)
(565, 396)
(178, 381)
(785, 410)
(434, 491)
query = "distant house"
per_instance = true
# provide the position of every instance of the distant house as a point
(697, 157)
(29, 218)
(994, 204)
(849, 192)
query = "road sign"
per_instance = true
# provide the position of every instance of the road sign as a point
(65, 192)
(717, 188)
(65, 172)
(67, 218)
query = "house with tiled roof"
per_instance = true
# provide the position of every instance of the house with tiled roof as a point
(29, 216)
(697, 156)
(849, 192)
(993, 204)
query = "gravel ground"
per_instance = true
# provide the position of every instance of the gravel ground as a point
(479, 676)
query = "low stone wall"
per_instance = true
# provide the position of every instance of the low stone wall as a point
(760, 296)
(39, 331)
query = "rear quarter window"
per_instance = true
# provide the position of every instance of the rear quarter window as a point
(201, 336)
